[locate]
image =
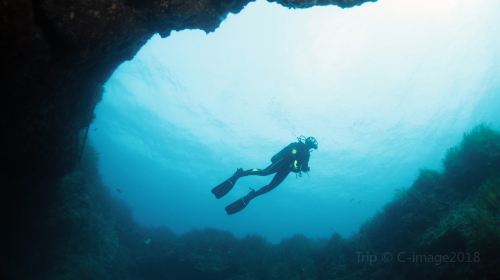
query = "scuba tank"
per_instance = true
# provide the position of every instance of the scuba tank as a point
(296, 165)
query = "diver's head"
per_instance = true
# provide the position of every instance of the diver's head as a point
(311, 143)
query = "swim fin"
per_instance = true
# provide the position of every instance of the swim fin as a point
(240, 204)
(223, 188)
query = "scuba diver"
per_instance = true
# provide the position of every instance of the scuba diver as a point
(292, 158)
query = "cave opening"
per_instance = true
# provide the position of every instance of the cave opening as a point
(191, 108)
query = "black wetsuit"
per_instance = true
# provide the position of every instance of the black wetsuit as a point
(292, 158)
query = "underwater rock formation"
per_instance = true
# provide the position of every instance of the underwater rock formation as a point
(57, 56)
(445, 226)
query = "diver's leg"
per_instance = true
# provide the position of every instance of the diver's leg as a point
(241, 203)
(278, 178)
(272, 168)
(223, 188)
(257, 171)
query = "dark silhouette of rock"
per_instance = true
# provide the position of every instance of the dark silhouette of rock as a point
(56, 57)
(441, 227)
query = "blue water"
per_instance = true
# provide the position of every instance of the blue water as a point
(386, 88)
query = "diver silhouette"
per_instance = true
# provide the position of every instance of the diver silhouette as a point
(292, 158)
